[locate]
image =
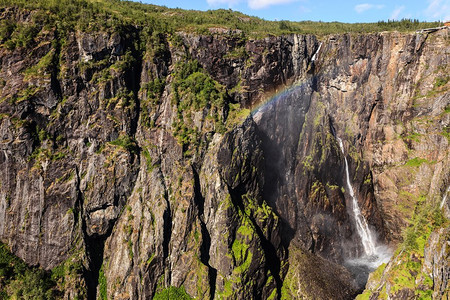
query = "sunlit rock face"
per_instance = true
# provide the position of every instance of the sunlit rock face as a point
(108, 158)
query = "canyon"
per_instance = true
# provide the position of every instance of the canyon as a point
(228, 166)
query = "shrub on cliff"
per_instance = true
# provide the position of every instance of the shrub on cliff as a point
(19, 281)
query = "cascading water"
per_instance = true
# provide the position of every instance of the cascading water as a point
(364, 232)
(444, 198)
(313, 58)
(374, 254)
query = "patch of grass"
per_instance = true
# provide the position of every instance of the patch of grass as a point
(441, 81)
(364, 296)
(102, 285)
(416, 162)
(236, 115)
(415, 136)
(446, 133)
(447, 109)
(127, 143)
(41, 67)
(27, 93)
(237, 53)
(242, 255)
(410, 240)
(148, 159)
(172, 292)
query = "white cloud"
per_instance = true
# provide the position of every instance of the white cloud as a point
(360, 8)
(396, 12)
(259, 4)
(438, 10)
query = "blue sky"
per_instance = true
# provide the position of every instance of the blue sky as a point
(350, 11)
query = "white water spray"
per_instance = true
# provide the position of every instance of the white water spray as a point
(314, 57)
(364, 232)
(444, 198)
(374, 254)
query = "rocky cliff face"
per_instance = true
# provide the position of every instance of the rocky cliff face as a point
(135, 162)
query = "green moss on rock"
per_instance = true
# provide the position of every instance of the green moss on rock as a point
(176, 293)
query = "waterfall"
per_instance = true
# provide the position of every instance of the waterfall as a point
(315, 53)
(444, 198)
(367, 239)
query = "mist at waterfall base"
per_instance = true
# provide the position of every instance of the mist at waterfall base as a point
(374, 253)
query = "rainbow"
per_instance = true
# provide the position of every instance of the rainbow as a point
(275, 97)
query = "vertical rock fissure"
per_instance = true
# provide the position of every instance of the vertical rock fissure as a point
(55, 66)
(94, 250)
(91, 272)
(273, 262)
(206, 237)
(94, 245)
(167, 231)
(78, 205)
(134, 79)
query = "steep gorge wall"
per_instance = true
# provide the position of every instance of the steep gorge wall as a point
(111, 162)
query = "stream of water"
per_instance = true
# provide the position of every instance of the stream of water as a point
(374, 254)
(364, 232)
(313, 58)
(444, 198)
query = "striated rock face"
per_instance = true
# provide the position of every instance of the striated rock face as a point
(436, 262)
(253, 68)
(139, 160)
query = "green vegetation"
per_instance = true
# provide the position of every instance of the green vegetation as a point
(415, 136)
(406, 274)
(236, 115)
(127, 143)
(172, 293)
(446, 133)
(40, 155)
(89, 15)
(447, 109)
(25, 94)
(102, 285)
(19, 281)
(378, 273)
(42, 66)
(18, 35)
(238, 52)
(69, 274)
(148, 160)
(441, 81)
(406, 270)
(195, 91)
(155, 89)
(308, 163)
(197, 87)
(240, 248)
(416, 162)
